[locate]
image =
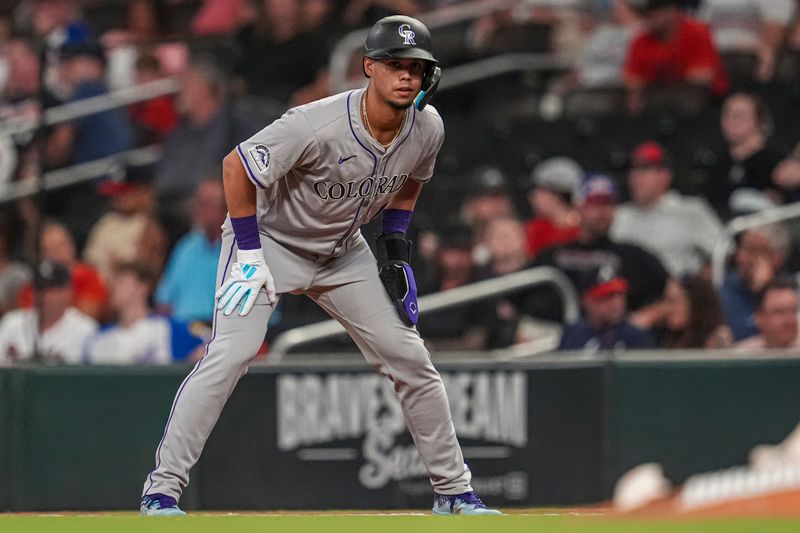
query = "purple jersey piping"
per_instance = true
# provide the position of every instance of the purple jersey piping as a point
(186, 380)
(247, 166)
(374, 167)
(394, 149)
(408, 134)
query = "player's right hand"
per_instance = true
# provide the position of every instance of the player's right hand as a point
(248, 274)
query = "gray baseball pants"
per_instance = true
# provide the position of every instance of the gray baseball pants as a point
(349, 289)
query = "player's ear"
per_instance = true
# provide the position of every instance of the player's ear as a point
(368, 66)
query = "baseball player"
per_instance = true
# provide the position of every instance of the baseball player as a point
(297, 193)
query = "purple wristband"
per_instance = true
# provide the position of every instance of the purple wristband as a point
(396, 221)
(246, 231)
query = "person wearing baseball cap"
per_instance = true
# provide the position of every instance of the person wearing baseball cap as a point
(62, 329)
(596, 202)
(680, 230)
(82, 71)
(604, 325)
(673, 48)
(129, 230)
(556, 220)
(487, 198)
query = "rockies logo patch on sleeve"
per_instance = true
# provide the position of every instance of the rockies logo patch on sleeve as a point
(260, 156)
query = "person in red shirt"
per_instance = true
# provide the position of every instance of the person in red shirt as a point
(155, 118)
(89, 291)
(673, 48)
(556, 221)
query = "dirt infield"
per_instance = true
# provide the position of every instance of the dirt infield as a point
(774, 505)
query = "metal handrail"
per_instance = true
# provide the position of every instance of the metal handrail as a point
(446, 16)
(92, 105)
(64, 177)
(88, 106)
(740, 224)
(445, 300)
(503, 64)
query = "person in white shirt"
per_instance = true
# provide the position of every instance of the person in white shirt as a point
(776, 318)
(63, 331)
(139, 336)
(755, 26)
(680, 230)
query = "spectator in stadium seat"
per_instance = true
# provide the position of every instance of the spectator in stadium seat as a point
(152, 119)
(82, 70)
(186, 290)
(13, 274)
(693, 316)
(604, 325)
(276, 38)
(88, 290)
(596, 201)
(555, 217)
(749, 160)
(64, 328)
(673, 48)
(210, 126)
(506, 243)
(504, 238)
(680, 230)
(761, 255)
(459, 328)
(758, 27)
(602, 58)
(139, 337)
(776, 318)
(129, 231)
(487, 198)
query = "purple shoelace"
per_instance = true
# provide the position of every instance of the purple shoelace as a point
(472, 499)
(469, 498)
(163, 500)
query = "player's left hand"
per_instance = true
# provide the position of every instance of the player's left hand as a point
(398, 278)
(248, 274)
(393, 253)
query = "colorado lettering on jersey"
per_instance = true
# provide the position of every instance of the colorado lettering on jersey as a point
(360, 188)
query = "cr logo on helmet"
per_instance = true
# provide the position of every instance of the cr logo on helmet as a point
(406, 33)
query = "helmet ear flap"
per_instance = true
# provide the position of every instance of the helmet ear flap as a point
(430, 82)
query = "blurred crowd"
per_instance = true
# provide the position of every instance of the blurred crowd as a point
(121, 268)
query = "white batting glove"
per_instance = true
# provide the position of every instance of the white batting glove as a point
(248, 274)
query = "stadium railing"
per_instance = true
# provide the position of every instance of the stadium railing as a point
(742, 223)
(445, 300)
(71, 175)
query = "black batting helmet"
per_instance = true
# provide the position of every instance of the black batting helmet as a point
(399, 37)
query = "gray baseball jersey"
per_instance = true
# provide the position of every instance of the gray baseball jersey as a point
(320, 176)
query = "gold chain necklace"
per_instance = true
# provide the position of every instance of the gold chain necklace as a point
(365, 118)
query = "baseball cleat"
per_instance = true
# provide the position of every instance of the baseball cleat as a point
(467, 503)
(159, 505)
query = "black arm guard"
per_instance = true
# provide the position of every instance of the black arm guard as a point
(391, 247)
